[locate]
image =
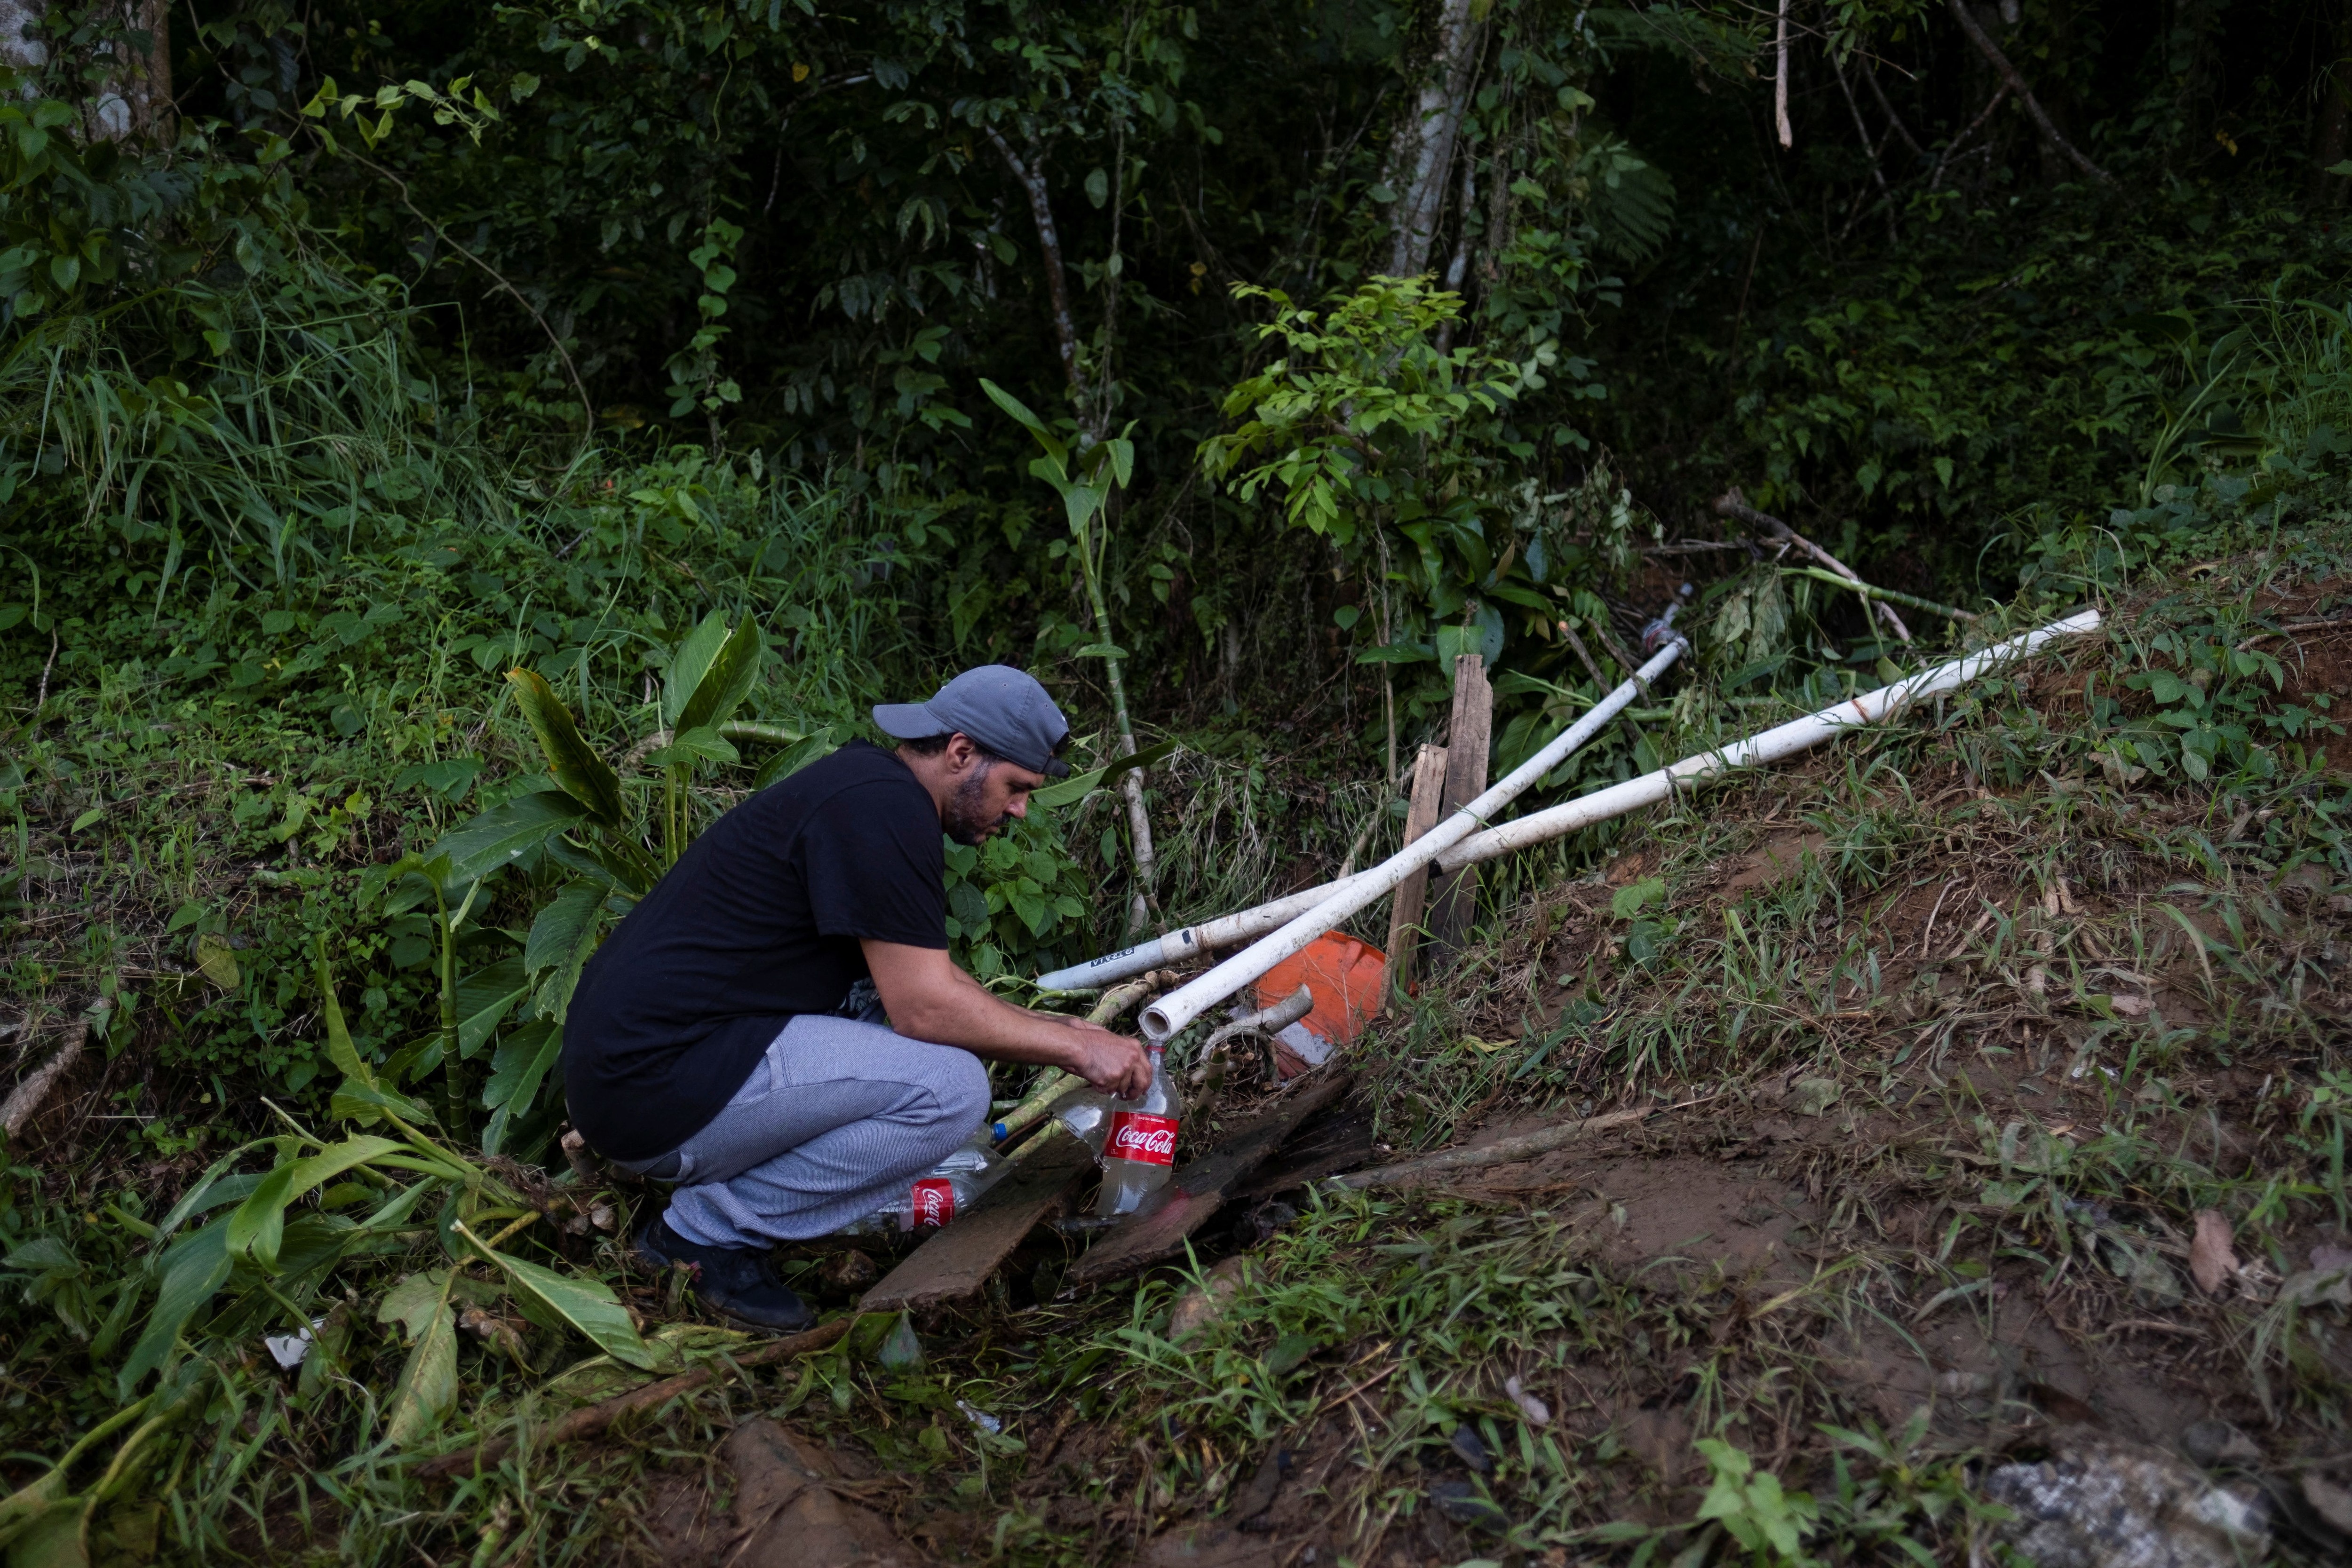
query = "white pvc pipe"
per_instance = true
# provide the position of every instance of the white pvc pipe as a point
(1188, 1001)
(1798, 735)
(1181, 1006)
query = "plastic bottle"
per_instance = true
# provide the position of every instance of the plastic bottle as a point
(1086, 1116)
(1140, 1148)
(947, 1190)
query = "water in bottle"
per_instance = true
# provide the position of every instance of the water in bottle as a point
(1139, 1149)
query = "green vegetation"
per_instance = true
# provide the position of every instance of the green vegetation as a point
(448, 458)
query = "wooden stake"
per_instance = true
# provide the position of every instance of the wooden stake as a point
(1411, 894)
(1454, 898)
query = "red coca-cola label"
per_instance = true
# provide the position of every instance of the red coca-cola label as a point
(934, 1202)
(1134, 1135)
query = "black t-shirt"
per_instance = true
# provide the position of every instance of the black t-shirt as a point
(758, 921)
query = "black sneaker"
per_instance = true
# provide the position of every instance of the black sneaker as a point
(736, 1282)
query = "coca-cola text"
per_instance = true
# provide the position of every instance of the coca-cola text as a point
(1135, 1136)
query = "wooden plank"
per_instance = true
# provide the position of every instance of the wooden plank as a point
(1200, 1189)
(1410, 899)
(1454, 898)
(957, 1262)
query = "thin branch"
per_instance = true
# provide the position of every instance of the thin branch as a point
(1999, 96)
(1732, 504)
(587, 407)
(1031, 175)
(1863, 131)
(1870, 75)
(1999, 62)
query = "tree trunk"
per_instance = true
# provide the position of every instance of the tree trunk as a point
(1029, 172)
(1422, 156)
(135, 98)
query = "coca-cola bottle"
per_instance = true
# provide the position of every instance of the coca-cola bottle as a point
(1140, 1146)
(932, 1200)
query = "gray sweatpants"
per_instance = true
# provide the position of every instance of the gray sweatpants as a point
(837, 1118)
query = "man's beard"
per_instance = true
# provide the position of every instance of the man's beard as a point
(968, 822)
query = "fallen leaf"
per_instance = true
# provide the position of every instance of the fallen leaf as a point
(2210, 1259)
(2318, 1287)
(2328, 1256)
(214, 957)
(1206, 1302)
(1811, 1096)
(2128, 1006)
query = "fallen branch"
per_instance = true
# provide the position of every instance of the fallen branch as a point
(1503, 1152)
(1999, 63)
(1732, 504)
(1871, 591)
(27, 1096)
(592, 1420)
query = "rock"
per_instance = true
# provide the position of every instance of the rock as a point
(850, 1270)
(2100, 1502)
(2211, 1443)
(1814, 1096)
(789, 1515)
(1258, 1496)
(1460, 1501)
(1471, 1451)
(1206, 1302)
(1537, 1413)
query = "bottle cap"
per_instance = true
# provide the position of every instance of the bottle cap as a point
(996, 1132)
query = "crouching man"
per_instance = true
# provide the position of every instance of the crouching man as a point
(777, 1028)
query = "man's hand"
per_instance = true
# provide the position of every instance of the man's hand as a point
(1110, 1063)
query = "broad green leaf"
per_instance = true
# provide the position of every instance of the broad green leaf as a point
(561, 929)
(339, 1049)
(217, 960)
(427, 1389)
(195, 1267)
(792, 758)
(315, 1170)
(701, 744)
(481, 845)
(721, 688)
(258, 1225)
(587, 1305)
(364, 1102)
(55, 1536)
(692, 659)
(484, 999)
(1020, 411)
(523, 1059)
(584, 776)
(1079, 786)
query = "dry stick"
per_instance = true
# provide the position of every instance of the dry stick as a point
(1999, 62)
(591, 1421)
(1732, 504)
(587, 407)
(1507, 1151)
(28, 1094)
(1600, 682)
(41, 698)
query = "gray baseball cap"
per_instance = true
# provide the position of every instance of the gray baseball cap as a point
(1003, 708)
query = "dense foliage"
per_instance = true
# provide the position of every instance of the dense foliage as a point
(449, 453)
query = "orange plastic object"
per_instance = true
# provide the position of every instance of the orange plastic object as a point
(1344, 974)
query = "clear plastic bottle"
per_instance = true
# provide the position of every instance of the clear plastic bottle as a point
(947, 1190)
(1086, 1115)
(1139, 1147)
